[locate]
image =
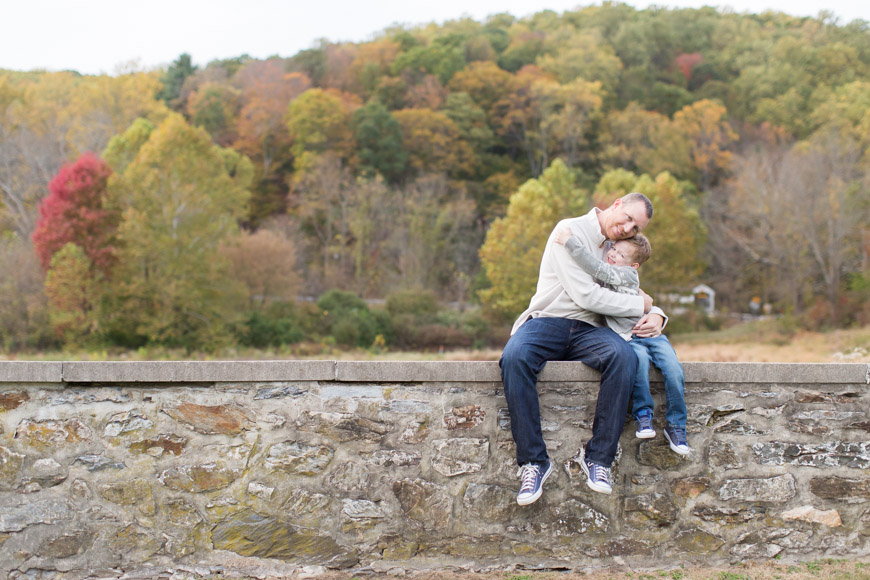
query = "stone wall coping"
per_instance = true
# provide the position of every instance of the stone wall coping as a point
(31, 371)
(399, 371)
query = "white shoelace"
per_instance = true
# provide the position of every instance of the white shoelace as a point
(599, 473)
(529, 473)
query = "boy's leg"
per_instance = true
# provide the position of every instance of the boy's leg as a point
(525, 354)
(641, 399)
(665, 358)
(605, 351)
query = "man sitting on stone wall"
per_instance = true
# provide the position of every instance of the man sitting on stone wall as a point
(564, 322)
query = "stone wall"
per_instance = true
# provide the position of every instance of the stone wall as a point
(262, 468)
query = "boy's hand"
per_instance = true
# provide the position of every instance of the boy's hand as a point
(562, 235)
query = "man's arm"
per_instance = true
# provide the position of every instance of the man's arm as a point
(621, 276)
(583, 290)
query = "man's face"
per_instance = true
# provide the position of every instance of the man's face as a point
(623, 220)
(621, 254)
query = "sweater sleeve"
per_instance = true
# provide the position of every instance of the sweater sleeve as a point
(622, 277)
(583, 290)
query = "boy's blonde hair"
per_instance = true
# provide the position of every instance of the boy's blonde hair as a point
(641, 247)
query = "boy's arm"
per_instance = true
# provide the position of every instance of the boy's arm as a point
(621, 276)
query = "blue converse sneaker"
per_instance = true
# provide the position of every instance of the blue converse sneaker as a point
(644, 426)
(676, 437)
(533, 478)
(597, 476)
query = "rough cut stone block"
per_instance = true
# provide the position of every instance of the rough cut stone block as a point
(650, 509)
(841, 489)
(78, 396)
(198, 478)
(452, 457)
(52, 432)
(817, 397)
(66, 545)
(99, 462)
(778, 489)
(251, 534)
(427, 503)
(362, 509)
(13, 399)
(827, 454)
(696, 541)
(10, 467)
(808, 513)
(17, 512)
(569, 519)
(690, 487)
(230, 419)
(729, 515)
(163, 443)
(126, 422)
(392, 458)
(134, 543)
(349, 477)
(491, 503)
(342, 427)
(135, 492)
(299, 458)
(465, 417)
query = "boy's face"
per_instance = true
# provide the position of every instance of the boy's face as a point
(621, 254)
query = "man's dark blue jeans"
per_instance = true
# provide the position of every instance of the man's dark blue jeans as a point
(542, 339)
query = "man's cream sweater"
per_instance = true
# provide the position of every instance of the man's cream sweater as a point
(566, 291)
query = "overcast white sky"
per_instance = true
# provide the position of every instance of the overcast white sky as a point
(101, 36)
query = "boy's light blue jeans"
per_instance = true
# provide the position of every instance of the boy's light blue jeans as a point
(658, 351)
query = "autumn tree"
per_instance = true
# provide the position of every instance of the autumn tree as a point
(434, 237)
(677, 233)
(173, 79)
(214, 107)
(705, 125)
(511, 254)
(24, 320)
(265, 262)
(582, 55)
(432, 142)
(795, 219)
(183, 197)
(379, 142)
(74, 296)
(76, 212)
(319, 122)
(485, 83)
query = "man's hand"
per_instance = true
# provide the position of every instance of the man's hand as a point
(562, 235)
(649, 326)
(647, 300)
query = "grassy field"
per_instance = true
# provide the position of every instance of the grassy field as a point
(757, 341)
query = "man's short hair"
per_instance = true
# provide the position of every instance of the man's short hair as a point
(635, 197)
(641, 246)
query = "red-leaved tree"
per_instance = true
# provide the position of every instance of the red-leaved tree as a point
(75, 212)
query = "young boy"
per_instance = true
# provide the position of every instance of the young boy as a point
(619, 272)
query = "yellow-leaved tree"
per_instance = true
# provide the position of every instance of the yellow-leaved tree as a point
(182, 197)
(511, 254)
(676, 233)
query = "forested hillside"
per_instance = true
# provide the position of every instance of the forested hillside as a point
(194, 206)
